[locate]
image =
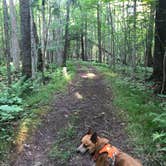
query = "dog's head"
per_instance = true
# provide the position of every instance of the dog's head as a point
(90, 142)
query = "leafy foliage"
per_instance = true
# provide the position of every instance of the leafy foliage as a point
(22, 101)
(144, 112)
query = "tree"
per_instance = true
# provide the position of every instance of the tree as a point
(44, 36)
(58, 34)
(134, 35)
(99, 30)
(66, 46)
(15, 49)
(7, 40)
(25, 37)
(150, 36)
(160, 41)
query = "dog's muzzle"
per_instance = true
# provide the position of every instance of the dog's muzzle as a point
(81, 149)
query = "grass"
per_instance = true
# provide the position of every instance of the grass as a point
(137, 104)
(35, 104)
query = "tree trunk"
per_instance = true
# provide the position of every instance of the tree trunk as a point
(134, 36)
(111, 22)
(39, 44)
(66, 46)
(25, 38)
(15, 49)
(39, 51)
(82, 47)
(124, 58)
(59, 38)
(149, 40)
(77, 49)
(33, 47)
(160, 41)
(43, 36)
(7, 40)
(99, 31)
(163, 90)
(86, 39)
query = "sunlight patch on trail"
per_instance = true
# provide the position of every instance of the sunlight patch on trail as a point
(89, 75)
(78, 95)
(22, 136)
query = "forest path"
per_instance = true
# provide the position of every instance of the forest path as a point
(88, 103)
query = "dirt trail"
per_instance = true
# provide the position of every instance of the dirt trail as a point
(89, 101)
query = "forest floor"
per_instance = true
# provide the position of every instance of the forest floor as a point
(87, 103)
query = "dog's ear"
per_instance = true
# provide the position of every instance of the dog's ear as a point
(90, 131)
(94, 137)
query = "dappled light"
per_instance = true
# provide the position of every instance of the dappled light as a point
(111, 74)
(89, 75)
(66, 74)
(78, 95)
(22, 136)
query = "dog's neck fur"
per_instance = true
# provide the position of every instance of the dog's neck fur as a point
(101, 142)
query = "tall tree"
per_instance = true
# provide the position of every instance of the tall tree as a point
(15, 49)
(160, 40)
(43, 35)
(7, 40)
(25, 37)
(58, 34)
(149, 37)
(66, 32)
(99, 30)
(134, 35)
(33, 47)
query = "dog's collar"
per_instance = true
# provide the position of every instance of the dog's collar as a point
(110, 150)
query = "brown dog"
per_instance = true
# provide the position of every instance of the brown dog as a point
(103, 153)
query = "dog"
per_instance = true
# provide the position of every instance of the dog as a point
(103, 153)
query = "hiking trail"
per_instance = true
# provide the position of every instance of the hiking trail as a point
(87, 103)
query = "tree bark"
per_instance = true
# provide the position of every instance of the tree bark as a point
(58, 35)
(7, 41)
(82, 47)
(86, 39)
(66, 46)
(33, 47)
(134, 35)
(43, 36)
(99, 31)
(163, 90)
(15, 49)
(160, 41)
(111, 22)
(149, 40)
(25, 38)
(39, 44)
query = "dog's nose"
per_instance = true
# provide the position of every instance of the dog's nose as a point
(77, 150)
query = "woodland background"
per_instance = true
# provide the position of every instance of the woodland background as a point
(40, 37)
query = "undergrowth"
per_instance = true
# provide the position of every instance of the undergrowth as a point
(22, 104)
(144, 111)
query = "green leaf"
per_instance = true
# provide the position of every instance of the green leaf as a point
(13, 108)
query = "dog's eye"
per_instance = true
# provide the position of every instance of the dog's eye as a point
(85, 145)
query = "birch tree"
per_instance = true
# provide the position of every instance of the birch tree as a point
(14, 49)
